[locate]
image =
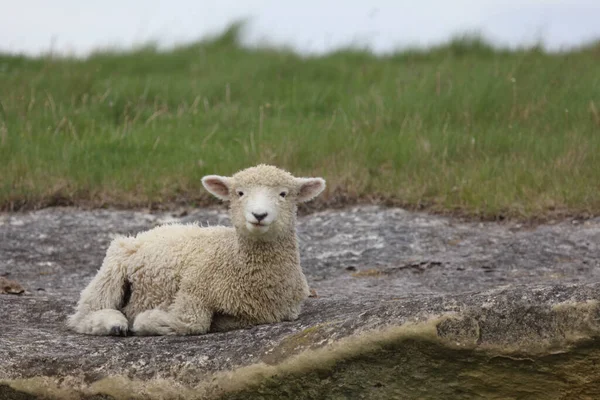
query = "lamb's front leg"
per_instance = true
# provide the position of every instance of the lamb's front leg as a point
(293, 313)
(187, 316)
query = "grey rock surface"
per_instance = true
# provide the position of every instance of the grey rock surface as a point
(495, 286)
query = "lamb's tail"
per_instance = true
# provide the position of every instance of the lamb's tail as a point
(110, 288)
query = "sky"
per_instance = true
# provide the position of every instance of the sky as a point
(77, 27)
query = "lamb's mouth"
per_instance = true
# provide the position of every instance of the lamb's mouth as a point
(257, 226)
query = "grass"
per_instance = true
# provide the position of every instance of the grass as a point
(462, 127)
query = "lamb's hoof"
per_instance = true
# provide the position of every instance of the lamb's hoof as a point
(118, 331)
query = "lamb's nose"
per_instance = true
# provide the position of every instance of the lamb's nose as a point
(260, 217)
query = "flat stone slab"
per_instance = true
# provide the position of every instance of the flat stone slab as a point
(402, 297)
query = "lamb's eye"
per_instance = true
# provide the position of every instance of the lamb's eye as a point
(240, 193)
(283, 194)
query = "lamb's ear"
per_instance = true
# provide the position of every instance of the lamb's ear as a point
(217, 185)
(309, 188)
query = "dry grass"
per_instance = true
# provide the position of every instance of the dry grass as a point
(368, 273)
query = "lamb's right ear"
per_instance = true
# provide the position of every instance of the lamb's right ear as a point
(217, 185)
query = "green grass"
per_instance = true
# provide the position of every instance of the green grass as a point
(462, 127)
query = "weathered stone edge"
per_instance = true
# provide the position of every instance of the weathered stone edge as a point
(505, 323)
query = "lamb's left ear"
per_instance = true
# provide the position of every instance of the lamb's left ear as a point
(309, 188)
(217, 185)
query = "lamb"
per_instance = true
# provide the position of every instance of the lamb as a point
(184, 279)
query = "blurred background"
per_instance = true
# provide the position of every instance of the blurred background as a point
(487, 109)
(310, 26)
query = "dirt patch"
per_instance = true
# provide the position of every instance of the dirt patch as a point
(337, 200)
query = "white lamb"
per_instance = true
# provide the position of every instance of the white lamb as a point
(184, 279)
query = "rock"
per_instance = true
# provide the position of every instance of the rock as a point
(8, 286)
(409, 306)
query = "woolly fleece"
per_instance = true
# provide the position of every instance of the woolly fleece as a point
(187, 279)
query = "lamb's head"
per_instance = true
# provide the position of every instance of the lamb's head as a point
(263, 199)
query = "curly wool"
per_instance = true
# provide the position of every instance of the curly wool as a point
(187, 279)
